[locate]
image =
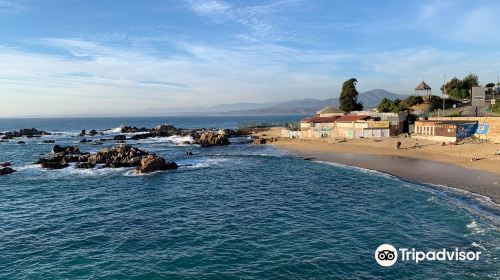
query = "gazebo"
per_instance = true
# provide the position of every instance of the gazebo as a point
(423, 89)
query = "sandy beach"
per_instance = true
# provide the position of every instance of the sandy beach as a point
(431, 162)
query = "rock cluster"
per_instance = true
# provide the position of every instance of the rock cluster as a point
(118, 156)
(61, 157)
(212, 138)
(26, 132)
(93, 132)
(112, 157)
(165, 130)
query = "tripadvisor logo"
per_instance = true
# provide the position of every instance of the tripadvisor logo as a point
(387, 255)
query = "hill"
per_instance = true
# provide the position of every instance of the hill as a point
(370, 99)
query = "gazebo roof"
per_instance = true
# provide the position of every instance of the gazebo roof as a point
(423, 86)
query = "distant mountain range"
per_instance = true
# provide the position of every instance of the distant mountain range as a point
(370, 99)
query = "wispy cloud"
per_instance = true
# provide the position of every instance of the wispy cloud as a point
(257, 18)
(11, 6)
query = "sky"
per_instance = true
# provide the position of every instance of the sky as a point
(119, 57)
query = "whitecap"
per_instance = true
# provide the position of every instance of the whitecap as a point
(477, 245)
(475, 228)
(201, 162)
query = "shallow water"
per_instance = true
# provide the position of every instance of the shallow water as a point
(235, 212)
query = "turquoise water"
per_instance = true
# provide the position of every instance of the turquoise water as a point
(236, 212)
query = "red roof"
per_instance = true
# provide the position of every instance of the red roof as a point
(321, 119)
(352, 118)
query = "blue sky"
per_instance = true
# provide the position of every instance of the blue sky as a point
(74, 57)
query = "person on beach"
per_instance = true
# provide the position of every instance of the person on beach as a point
(398, 145)
(474, 158)
(416, 144)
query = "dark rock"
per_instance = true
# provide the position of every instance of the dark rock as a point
(83, 133)
(48, 141)
(6, 171)
(67, 150)
(54, 165)
(27, 132)
(84, 140)
(128, 129)
(93, 132)
(153, 163)
(189, 153)
(85, 165)
(5, 164)
(21, 142)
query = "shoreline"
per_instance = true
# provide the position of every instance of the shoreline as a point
(419, 166)
(424, 171)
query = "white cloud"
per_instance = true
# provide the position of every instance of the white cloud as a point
(257, 18)
(10, 5)
(210, 7)
(128, 81)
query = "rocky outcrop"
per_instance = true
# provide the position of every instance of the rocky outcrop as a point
(21, 142)
(48, 141)
(5, 164)
(26, 132)
(154, 163)
(61, 156)
(133, 129)
(164, 130)
(54, 165)
(67, 150)
(118, 156)
(84, 140)
(212, 138)
(6, 171)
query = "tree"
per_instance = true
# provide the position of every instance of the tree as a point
(349, 97)
(397, 106)
(459, 89)
(385, 105)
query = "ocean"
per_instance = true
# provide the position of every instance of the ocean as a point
(232, 212)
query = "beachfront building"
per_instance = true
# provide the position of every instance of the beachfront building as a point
(341, 127)
(397, 122)
(444, 131)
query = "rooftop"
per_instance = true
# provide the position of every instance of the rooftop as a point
(330, 110)
(321, 119)
(351, 118)
(423, 86)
